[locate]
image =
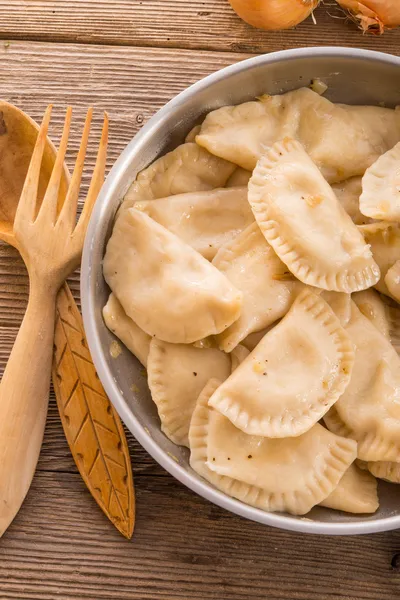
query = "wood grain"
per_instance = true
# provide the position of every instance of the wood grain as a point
(197, 24)
(184, 548)
(119, 80)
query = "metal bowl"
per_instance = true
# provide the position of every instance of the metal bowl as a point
(353, 76)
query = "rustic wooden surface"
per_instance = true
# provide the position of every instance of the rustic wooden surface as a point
(130, 57)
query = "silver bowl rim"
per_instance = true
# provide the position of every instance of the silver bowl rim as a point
(118, 172)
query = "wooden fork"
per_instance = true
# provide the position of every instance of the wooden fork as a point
(50, 242)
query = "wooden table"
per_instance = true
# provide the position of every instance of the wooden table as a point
(129, 57)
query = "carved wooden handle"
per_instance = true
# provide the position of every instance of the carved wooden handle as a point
(92, 427)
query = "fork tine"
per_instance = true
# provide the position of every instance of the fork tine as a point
(27, 202)
(68, 211)
(97, 177)
(48, 208)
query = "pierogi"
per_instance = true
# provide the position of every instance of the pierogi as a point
(293, 376)
(342, 140)
(241, 267)
(306, 225)
(292, 474)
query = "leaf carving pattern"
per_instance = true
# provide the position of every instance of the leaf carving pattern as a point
(92, 427)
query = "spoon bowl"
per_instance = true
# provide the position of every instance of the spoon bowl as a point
(18, 135)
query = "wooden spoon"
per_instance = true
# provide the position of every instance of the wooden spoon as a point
(102, 436)
(50, 243)
(18, 134)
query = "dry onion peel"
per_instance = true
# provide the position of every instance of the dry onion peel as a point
(274, 14)
(374, 15)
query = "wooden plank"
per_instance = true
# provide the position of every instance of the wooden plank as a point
(121, 81)
(130, 83)
(114, 79)
(60, 546)
(200, 24)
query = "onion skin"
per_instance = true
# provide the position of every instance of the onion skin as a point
(374, 15)
(273, 15)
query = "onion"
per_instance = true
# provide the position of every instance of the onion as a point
(274, 14)
(374, 15)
